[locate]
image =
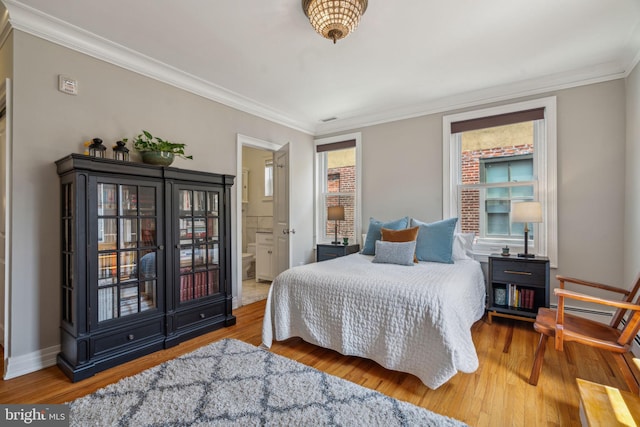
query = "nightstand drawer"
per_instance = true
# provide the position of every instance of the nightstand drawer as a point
(519, 272)
(330, 251)
(325, 252)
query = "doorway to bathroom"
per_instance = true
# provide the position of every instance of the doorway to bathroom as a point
(257, 223)
(256, 253)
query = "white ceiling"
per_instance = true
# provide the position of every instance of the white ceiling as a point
(407, 57)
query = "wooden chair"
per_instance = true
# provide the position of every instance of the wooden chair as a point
(566, 327)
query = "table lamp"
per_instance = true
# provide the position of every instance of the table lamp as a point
(526, 212)
(335, 213)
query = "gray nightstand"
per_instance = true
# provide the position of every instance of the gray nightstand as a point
(517, 287)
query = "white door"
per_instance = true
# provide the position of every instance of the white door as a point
(281, 231)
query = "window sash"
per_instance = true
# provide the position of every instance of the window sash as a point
(515, 230)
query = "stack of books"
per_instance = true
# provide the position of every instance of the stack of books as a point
(520, 297)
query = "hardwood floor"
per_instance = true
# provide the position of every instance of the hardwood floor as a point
(497, 394)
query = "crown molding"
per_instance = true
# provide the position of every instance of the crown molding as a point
(508, 92)
(47, 27)
(32, 21)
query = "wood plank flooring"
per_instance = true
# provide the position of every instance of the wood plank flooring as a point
(497, 394)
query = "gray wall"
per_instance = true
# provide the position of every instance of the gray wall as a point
(112, 103)
(632, 179)
(402, 175)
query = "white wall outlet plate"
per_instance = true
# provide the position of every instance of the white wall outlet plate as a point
(67, 85)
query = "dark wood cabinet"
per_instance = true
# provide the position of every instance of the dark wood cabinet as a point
(328, 251)
(146, 260)
(517, 287)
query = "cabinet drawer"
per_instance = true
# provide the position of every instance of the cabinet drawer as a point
(127, 337)
(519, 272)
(199, 314)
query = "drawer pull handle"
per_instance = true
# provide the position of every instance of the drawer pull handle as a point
(130, 337)
(202, 316)
(523, 273)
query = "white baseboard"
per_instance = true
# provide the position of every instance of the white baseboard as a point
(25, 364)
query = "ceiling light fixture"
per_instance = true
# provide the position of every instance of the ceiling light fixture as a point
(334, 19)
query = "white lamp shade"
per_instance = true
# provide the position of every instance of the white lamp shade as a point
(526, 212)
(335, 213)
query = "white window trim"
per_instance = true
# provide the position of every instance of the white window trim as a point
(357, 136)
(545, 166)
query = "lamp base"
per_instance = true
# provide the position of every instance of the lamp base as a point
(526, 255)
(336, 243)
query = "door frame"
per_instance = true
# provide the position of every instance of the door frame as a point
(243, 141)
(5, 102)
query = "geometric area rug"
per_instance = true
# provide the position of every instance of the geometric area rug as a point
(232, 383)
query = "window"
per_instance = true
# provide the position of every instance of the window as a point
(338, 184)
(268, 178)
(507, 171)
(494, 157)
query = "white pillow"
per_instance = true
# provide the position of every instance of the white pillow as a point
(462, 246)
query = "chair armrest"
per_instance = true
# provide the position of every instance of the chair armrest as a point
(588, 298)
(597, 285)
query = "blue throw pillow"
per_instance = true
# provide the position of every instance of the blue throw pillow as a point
(373, 233)
(435, 240)
(400, 253)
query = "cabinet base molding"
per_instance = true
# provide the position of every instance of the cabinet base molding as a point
(89, 369)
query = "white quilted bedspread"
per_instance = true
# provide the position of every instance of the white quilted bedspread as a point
(414, 319)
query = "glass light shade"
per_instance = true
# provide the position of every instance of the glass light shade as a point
(334, 19)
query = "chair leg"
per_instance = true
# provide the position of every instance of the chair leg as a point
(537, 361)
(627, 373)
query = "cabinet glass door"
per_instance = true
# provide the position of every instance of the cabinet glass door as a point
(198, 219)
(127, 238)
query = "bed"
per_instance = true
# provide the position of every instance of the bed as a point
(414, 319)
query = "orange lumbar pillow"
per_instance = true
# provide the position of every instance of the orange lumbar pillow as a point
(406, 235)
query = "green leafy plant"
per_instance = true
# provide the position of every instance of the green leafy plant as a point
(147, 142)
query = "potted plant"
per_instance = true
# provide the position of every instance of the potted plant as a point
(157, 151)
